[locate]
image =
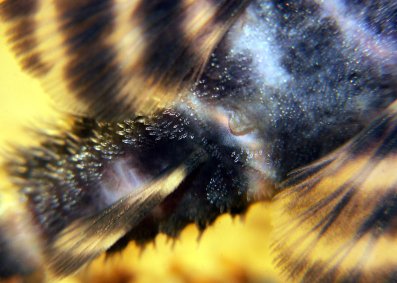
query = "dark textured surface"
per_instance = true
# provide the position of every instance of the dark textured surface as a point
(61, 178)
(333, 89)
(324, 86)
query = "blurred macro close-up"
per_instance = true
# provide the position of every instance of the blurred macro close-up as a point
(193, 141)
(232, 250)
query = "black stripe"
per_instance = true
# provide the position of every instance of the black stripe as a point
(22, 35)
(91, 73)
(34, 63)
(389, 145)
(15, 9)
(168, 53)
(297, 178)
(230, 9)
(95, 80)
(371, 137)
(383, 219)
(85, 24)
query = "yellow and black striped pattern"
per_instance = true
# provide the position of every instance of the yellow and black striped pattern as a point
(116, 58)
(336, 220)
(187, 260)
